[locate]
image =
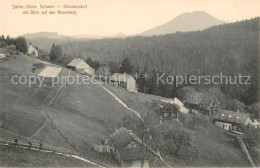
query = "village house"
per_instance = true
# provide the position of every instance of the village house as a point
(128, 149)
(81, 67)
(32, 50)
(177, 102)
(124, 81)
(233, 121)
(169, 112)
(202, 103)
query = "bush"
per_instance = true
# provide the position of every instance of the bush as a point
(3, 44)
(197, 122)
(11, 47)
(37, 66)
(252, 137)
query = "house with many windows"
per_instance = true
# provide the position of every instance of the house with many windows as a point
(233, 121)
(125, 81)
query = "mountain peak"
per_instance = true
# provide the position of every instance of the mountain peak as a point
(191, 21)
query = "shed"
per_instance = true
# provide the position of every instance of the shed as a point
(127, 148)
(170, 111)
(32, 50)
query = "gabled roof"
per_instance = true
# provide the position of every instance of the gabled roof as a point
(79, 64)
(171, 108)
(121, 77)
(177, 101)
(120, 137)
(200, 98)
(231, 116)
(32, 46)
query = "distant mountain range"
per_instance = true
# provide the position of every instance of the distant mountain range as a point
(53, 35)
(191, 21)
(96, 36)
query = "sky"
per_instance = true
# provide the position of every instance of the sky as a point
(109, 17)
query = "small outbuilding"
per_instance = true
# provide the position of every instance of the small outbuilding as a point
(32, 50)
(169, 112)
(81, 67)
(128, 149)
(124, 81)
(177, 102)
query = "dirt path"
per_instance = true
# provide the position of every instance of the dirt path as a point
(120, 101)
(49, 150)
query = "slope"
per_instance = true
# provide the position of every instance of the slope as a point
(80, 116)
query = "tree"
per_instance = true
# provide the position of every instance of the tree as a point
(2, 38)
(56, 53)
(183, 92)
(113, 66)
(8, 40)
(126, 67)
(235, 105)
(254, 110)
(93, 64)
(103, 72)
(90, 62)
(21, 44)
(178, 138)
(141, 82)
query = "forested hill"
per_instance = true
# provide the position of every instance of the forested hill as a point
(229, 48)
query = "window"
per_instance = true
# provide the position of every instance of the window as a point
(131, 145)
(165, 114)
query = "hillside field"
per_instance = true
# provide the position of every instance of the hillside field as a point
(80, 116)
(211, 146)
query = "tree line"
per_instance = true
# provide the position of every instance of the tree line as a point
(18, 43)
(229, 48)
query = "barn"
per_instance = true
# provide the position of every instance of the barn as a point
(124, 81)
(202, 103)
(81, 67)
(127, 148)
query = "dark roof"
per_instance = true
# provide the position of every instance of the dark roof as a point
(200, 98)
(169, 108)
(121, 138)
(231, 116)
